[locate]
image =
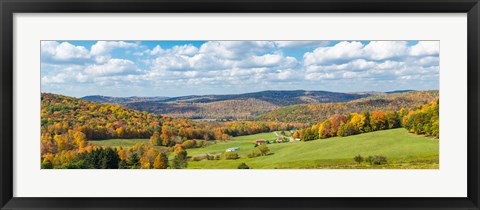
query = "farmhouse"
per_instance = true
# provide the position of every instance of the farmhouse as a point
(260, 141)
(233, 149)
(279, 140)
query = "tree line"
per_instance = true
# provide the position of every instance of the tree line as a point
(318, 112)
(420, 120)
(69, 123)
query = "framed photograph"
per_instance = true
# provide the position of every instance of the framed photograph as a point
(239, 105)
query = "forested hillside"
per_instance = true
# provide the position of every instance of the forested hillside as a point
(422, 120)
(69, 124)
(118, 100)
(318, 112)
(229, 109)
(235, 106)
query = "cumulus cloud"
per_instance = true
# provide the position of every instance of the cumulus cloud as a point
(340, 52)
(376, 61)
(62, 51)
(379, 50)
(102, 49)
(112, 67)
(346, 51)
(423, 48)
(235, 49)
(243, 66)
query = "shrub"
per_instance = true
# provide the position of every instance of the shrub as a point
(210, 157)
(379, 160)
(243, 166)
(260, 151)
(264, 150)
(376, 160)
(369, 159)
(231, 155)
(200, 143)
(358, 159)
(200, 157)
(47, 164)
(189, 144)
(254, 153)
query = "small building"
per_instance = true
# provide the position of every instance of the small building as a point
(260, 141)
(297, 139)
(279, 140)
(233, 149)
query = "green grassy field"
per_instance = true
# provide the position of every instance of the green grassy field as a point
(402, 149)
(252, 138)
(119, 142)
(125, 143)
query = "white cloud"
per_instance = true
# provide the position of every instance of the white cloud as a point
(102, 49)
(81, 77)
(377, 62)
(341, 51)
(347, 51)
(59, 78)
(268, 60)
(242, 65)
(235, 50)
(157, 50)
(425, 48)
(184, 50)
(379, 50)
(63, 51)
(113, 66)
(319, 76)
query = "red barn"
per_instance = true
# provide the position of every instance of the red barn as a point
(260, 141)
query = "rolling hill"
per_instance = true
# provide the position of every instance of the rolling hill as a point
(311, 113)
(118, 100)
(232, 106)
(288, 105)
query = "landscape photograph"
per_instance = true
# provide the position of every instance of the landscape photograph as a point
(252, 104)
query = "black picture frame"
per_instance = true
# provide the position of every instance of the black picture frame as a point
(10, 7)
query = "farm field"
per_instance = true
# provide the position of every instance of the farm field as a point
(125, 143)
(402, 149)
(119, 142)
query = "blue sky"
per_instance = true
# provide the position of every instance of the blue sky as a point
(177, 68)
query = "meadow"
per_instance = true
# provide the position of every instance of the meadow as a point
(402, 149)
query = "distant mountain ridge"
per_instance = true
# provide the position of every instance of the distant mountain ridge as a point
(231, 106)
(116, 100)
(277, 97)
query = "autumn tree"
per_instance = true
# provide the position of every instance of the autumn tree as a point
(133, 161)
(161, 161)
(358, 122)
(155, 139)
(296, 134)
(264, 150)
(180, 157)
(379, 120)
(325, 129)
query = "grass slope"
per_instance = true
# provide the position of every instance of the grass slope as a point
(125, 143)
(402, 149)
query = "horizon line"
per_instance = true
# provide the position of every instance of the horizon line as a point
(356, 92)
